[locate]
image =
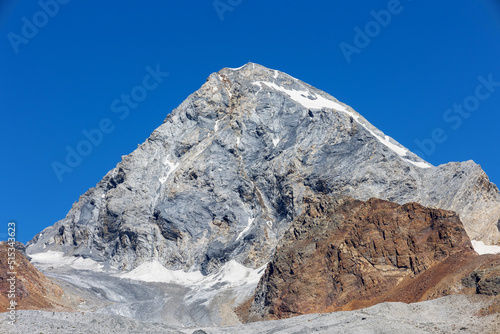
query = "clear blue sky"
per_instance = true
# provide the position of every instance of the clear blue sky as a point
(63, 77)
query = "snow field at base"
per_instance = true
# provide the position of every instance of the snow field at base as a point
(57, 259)
(481, 248)
(154, 271)
(232, 273)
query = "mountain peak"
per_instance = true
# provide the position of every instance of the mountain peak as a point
(311, 99)
(250, 66)
(225, 174)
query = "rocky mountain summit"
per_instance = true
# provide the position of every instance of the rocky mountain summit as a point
(226, 173)
(344, 254)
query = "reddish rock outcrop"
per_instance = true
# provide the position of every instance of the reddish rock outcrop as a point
(33, 290)
(344, 254)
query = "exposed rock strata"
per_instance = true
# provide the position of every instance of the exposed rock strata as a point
(344, 254)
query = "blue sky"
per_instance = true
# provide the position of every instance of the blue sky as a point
(426, 73)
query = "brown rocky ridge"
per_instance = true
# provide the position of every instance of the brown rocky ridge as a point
(343, 254)
(33, 290)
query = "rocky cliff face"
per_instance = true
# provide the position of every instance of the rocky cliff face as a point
(225, 174)
(344, 254)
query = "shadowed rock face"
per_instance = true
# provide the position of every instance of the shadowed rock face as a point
(34, 290)
(225, 174)
(343, 254)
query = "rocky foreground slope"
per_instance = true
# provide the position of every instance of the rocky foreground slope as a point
(452, 314)
(32, 289)
(225, 174)
(343, 254)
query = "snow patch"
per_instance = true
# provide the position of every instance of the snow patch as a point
(420, 164)
(231, 273)
(172, 167)
(304, 97)
(399, 150)
(154, 271)
(86, 264)
(481, 248)
(236, 69)
(57, 259)
(276, 140)
(242, 233)
(235, 274)
(276, 74)
(311, 100)
(260, 88)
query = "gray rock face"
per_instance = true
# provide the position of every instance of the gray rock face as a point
(226, 172)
